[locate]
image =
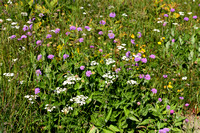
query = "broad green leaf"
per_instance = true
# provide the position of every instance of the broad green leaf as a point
(147, 121)
(133, 118)
(107, 131)
(126, 111)
(114, 128)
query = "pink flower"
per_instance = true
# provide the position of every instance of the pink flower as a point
(154, 91)
(37, 90)
(187, 104)
(112, 15)
(171, 112)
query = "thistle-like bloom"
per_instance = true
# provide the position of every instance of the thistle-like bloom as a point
(181, 98)
(57, 30)
(147, 77)
(102, 22)
(65, 56)
(154, 91)
(168, 107)
(164, 76)
(112, 15)
(128, 54)
(72, 28)
(39, 57)
(38, 72)
(29, 33)
(152, 56)
(50, 56)
(41, 15)
(81, 39)
(172, 10)
(100, 33)
(164, 130)
(79, 29)
(111, 35)
(166, 15)
(67, 33)
(173, 40)
(25, 28)
(39, 42)
(186, 19)
(132, 41)
(194, 17)
(13, 36)
(88, 73)
(144, 60)
(171, 112)
(49, 36)
(82, 67)
(141, 76)
(137, 59)
(37, 90)
(160, 99)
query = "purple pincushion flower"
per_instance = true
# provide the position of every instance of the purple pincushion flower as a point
(147, 77)
(23, 36)
(117, 70)
(172, 10)
(194, 17)
(173, 40)
(81, 39)
(144, 60)
(38, 42)
(171, 112)
(87, 28)
(100, 33)
(186, 120)
(29, 33)
(152, 56)
(187, 104)
(91, 46)
(39, 57)
(181, 98)
(79, 29)
(168, 107)
(128, 54)
(160, 99)
(88, 73)
(166, 15)
(164, 130)
(65, 56)
(132, 41)
(164, 76)
(82, 67)
(154, 91)
(72, 28)
(67, 33)
(102, 22)
(50, 56)
(137, 59)
(13, 36)
(37, 90)
(112, 14)
(38, 72)
(141, 76)
(186, 19)
(111, 35)
(57, 30)
(49, 36)
(25, 28)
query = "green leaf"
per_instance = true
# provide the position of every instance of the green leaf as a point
(133, 118)
(114, 128)
(94, 130)
(178, 124)
(176, 130)
(147, 121)
(126, 111)
(108, 116)
(107, 131)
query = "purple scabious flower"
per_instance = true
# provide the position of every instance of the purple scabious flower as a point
(171, 112)
(139, 54)
(144, 60)
(168, 107)
(181, 98)
(186, 120)
(91, 46)
(187, 104)
(102, 22)
(136, 64)
(39, 42)
(152, 56)
(19, 39)
(147, 77)
(81, 39)
(39, 57)
(57, 30)
(139, 34)
(132, 41)
(160, 99)
(50, 56)
(154, 91)
(25, 28)
(41, 15)
(29, 33)
(100, 50)
(37, 90)
(112, 14)
(13, 36)
(110, 31)
(114, 41)
(100, 33)
(128, 54)
(141, 76)
(38, 72)
(173, 40)
(111, 35)
(165, 76)
(166, 15)
(79, 29)
(186, 19)
(31, 26)
(88, 73)
(165, 23)
(49, 36)
(72, 28)
(137, 59)
(65, 56)
(172, 10)
(117, 70)
(67, 33)
(164, 130)
(87, 27)
(23, 36)
(82, 67)
(194, 17)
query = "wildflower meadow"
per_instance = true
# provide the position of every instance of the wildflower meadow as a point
(100, 66)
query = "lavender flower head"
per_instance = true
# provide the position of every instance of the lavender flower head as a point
(67, 33)
(168, 107)
(111, 35)
(38, 72)
(37, 90)
(82, 67)
(81, 39)
(186, 19)
(141, 76)
(147, 77)
(166, 15)
(144, 60)
(172, 10)
(187, 104)
(23, 36)
(13, 36)
(49, 36)
(112, 14)
(139, 34)
(152, 56)
(39, 57)
(79, 29)
(128, 54)
(38, 42)
(164, 130)
(25, 28)
(100, 33)
(132, 41)
(72, 28)
(160, 99)
(102, 22)
(194, 17)
(50, 56)
(57, 30)
(88, 73)
(65, 56)
(165, 76)
(154, 91)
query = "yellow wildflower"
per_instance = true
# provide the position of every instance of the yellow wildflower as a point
(143, 55)
(136, 45)
(163, 38)
(93, 72)
(159, 43)
(132, 36)
(170, 86)
(101, 61)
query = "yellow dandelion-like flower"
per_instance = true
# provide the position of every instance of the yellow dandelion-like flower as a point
(143, 50)
(170, 83)
(176, 15)
(143, 55)
(132, 36)
(165, 86)
(170, 86)
(159, 43)
(78, 50)
(178, 90)
(137, 68)
(101, 61)
(163, 38)
(136, 45)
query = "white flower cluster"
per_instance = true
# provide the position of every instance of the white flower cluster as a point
(24, 13)
(124, 14)
(121, 47)
(71, 79)
(184, 78)
(66, 109)
(80, 99)
(49, 107)
(157, 30)
(59, 90)
(94, 63)
(110, 76)
(8, 74)
(126, 58)
(132, 82)
(31, 97)
(109, 61)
